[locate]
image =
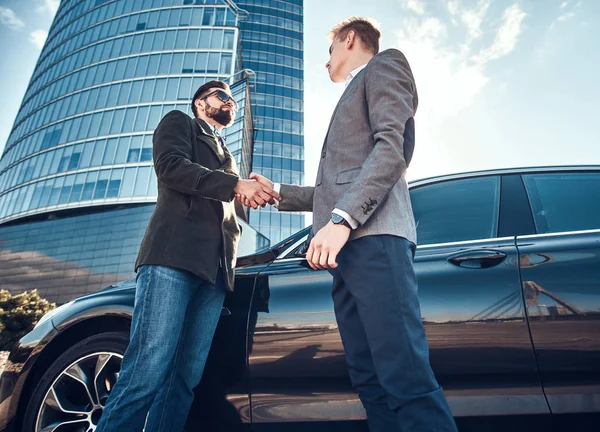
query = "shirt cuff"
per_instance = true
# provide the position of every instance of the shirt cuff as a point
(353, 222)
(276, 188)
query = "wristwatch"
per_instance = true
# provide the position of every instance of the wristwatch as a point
(339, 220)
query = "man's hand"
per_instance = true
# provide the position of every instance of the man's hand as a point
(325, 246)
(268, 183)
(268, 186)
(255, 194)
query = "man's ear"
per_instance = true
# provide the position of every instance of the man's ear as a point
(350, 39)
(199, 106)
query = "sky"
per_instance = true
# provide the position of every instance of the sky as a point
(501, 83)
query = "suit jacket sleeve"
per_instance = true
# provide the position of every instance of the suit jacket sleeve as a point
(172, 147)
(391, 101)
(296, 198)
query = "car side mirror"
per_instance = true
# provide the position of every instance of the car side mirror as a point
(301, 251)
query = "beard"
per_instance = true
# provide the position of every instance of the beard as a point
(222, 116)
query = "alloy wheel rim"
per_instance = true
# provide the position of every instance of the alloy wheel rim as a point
(76, 398)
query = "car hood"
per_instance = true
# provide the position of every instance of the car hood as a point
(264, 257)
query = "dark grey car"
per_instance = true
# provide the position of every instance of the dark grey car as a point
(508, 265)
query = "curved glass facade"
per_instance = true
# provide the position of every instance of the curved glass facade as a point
(108, 73)
(272, 46)
(78, 252)
(77, 185)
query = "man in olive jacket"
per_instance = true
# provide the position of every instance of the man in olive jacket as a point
(184, 267)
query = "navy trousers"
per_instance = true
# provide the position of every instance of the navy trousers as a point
(379, 319)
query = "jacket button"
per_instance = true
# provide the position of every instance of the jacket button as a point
(323, 155)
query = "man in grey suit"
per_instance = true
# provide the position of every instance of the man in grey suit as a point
(366, 236)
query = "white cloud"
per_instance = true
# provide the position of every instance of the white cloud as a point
(473, 19)
(446, 80)
(451, 73)
(414, 5)
(48, 6)
(508, 34)
(38, 38)
(453, 7)
(566, 16)
(9, 18)
(448, 76)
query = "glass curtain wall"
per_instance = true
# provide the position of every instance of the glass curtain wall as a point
(272, 46)
(107, 74)
(77, 185)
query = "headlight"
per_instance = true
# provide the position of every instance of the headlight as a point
(53, 313)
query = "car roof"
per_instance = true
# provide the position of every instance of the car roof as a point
(500, 171)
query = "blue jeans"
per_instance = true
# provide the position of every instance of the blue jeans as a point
(174, 319)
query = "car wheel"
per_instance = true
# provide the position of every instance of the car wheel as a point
(73, 392)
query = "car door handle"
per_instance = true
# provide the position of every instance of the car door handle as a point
(478, 259)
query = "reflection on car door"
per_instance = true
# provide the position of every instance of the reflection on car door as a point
(471, 301)
(560, 268)
(296, 361)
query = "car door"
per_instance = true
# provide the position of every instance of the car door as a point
(560, 268)
(470, 295)
(471, 303)
(296, 359)
(222, 398)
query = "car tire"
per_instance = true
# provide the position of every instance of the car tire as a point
(113, 343)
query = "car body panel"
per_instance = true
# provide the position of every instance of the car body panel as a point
(479, 340)
(475, 321)
(297, 366)
(19, 364)
(561, 281)
(277, 355)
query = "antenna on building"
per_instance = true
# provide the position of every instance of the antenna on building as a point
(242, 14)
(248, 72)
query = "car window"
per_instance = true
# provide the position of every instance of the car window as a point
(564, 201)
(456, 210)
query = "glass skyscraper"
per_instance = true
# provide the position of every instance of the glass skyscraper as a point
(272, 46)
(108, 72)
(77, 185)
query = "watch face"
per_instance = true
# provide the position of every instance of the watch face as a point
(336, 218)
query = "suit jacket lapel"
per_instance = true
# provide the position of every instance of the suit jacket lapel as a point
(229, 166)
(211, 141)
(348, 89)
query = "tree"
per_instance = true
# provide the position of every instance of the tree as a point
(19, 314)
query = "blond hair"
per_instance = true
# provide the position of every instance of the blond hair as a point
(366, 29)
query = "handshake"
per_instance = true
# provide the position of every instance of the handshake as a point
(255, 191)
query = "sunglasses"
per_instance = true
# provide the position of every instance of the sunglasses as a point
(223, 97)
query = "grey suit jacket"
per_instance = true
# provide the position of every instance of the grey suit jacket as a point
(367, 149)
